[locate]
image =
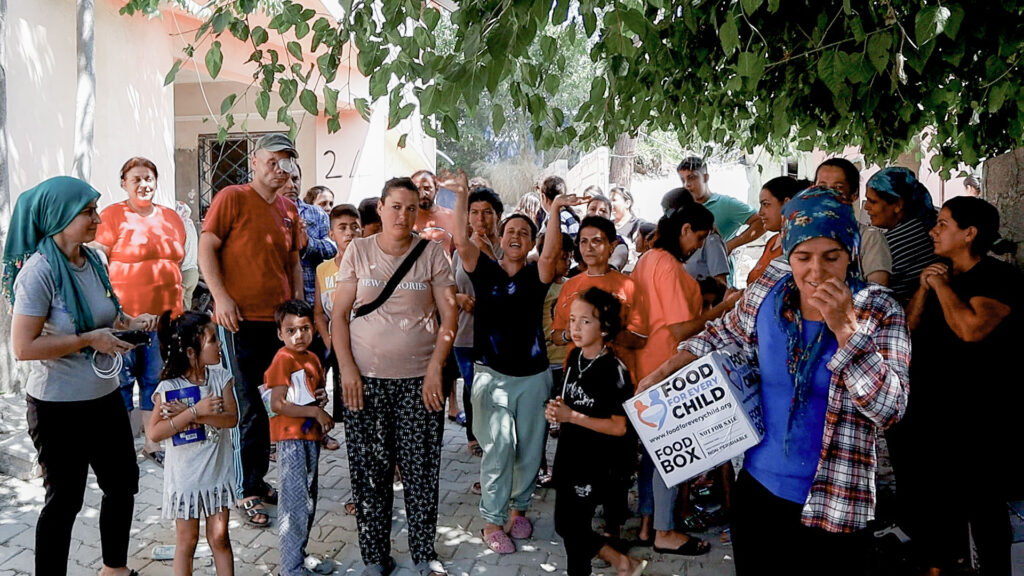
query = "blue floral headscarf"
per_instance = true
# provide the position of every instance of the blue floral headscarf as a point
(814, 213)
(900, 183)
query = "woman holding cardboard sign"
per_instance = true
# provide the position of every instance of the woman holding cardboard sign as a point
(962, 413)
(833, 354)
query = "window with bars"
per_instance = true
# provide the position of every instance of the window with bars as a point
(223, 164)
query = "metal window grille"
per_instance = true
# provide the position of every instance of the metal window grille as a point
(223, 164)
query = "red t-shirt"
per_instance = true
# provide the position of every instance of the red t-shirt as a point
(617, 284)
(259, 248)
(672, 296)
(299, 368)
(145, 257)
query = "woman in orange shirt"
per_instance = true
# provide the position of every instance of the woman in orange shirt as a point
(674, 312)
(774, 194)
(145, 245)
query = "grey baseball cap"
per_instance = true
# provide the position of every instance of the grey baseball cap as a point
(276, 142)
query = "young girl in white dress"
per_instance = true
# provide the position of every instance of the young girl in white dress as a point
(193, 409)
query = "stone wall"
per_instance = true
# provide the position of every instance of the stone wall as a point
(1003, 186)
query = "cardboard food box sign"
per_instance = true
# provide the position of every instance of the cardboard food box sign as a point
(704, 414)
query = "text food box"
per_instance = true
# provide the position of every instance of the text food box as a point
(701, 416)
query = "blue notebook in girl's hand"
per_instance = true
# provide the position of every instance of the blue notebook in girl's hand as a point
(188, 396)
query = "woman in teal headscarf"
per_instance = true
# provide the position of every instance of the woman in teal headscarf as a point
(899, 204)
(833, 355)
(63, 314)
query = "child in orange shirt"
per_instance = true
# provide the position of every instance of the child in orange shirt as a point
(297, 397)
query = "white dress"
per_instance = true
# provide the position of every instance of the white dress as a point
(199, 478)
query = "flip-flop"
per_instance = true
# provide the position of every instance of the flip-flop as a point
(329, 443)
(639, 569)
(350, 508)
(499, 542)
(693, 547)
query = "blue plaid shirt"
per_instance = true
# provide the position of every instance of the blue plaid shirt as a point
(318, 248)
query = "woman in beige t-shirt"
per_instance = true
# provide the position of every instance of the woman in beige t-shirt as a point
(390, 362)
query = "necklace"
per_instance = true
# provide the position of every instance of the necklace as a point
(579, 360)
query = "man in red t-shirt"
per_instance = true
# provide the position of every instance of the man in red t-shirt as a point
(249, 256)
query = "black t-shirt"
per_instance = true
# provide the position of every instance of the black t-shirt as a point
(598, 391)
(966, 394)
(508, 329)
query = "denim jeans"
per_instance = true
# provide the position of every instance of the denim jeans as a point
(142, 364)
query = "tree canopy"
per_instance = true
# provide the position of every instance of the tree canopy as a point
(746, 73)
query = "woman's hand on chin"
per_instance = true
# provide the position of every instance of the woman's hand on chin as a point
(835, 302)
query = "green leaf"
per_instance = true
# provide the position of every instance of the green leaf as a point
(750, 65)
(878, 50)
(330, 101)
(548, 47)
(258, 35)
(635, 21)
(333, 124)
(450, 129)
(221, 20)
(226, 104)
(749, 6)
(282, 114)
(363, 107)
(379, 83)
(551, 82)
(308, 100)
(402, 139)
(929, 23)
(956, 16)
(263, 103)
(214, 59)
(287, 88)
(997, 95)
(729, 35)
(857, 28)
(222, 135)
(597, 88)
(172, 72)
(431, 16)
(239, 29)
(830, 70)
(497, 118)
(295, 49)
(301, 29)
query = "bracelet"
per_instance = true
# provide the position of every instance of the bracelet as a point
(195, 415)
(173, 427)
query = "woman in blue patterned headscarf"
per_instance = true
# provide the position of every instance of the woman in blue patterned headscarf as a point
(900, 205)
(833, 354)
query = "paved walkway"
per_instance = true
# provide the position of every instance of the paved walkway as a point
(458, 540)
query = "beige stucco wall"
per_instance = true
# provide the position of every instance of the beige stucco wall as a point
(133, 114)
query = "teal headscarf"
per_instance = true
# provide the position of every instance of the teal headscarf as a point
(39, 214)
(900, 183)
(814, 213)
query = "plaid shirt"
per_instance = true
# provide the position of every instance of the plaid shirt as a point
(867, 393)
(318, 248)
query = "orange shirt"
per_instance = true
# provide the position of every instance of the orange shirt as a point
(772, 250)
(259, 249)
(300, 369)
(617, 284)
(438, 225)
(145, 257)
(671, 296)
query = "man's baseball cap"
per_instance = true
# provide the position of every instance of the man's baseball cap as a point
(276, 142)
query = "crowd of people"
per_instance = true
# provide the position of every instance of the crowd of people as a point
(542, 322)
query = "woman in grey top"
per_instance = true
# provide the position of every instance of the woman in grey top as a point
(64, 312)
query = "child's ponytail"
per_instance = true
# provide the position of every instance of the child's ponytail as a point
(177, 337)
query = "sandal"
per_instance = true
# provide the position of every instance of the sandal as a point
(476, 489)
(693, 547)
(476, 450)
(155, 457)
(499, 542)
(252, 508)
(270, 497)
(329, 443)
(521, 528)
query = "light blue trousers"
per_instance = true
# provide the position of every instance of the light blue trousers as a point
(508, 421)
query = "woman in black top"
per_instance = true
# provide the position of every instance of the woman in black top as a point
(965, 323)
